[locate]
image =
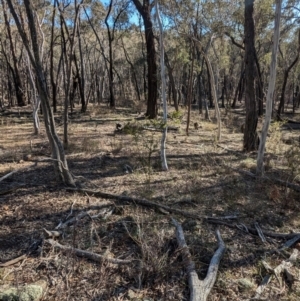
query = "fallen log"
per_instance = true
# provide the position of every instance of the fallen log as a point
(142, 202)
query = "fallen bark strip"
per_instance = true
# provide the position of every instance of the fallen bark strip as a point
(277, 181)
(86, 254)
(290, 242)
(142, 202)
(13, 261)
(254, 231)
(199, 289)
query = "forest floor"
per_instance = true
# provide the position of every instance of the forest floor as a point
(206, 179)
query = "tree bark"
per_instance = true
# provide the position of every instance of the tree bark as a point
(58, 155)
(163, 156)
(285, 79)
(172, 82)
(145, 12)
(190, 88)
(271, 88)
(15, 69)
(112, 101)
(250, 133)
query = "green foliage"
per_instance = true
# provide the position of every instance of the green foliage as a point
(132, 128)
(176, 115)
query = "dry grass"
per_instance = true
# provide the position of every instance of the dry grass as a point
(201, 180)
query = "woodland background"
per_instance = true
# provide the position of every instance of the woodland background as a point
(122, 140)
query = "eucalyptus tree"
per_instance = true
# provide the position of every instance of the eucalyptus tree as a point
(271, 88)
(144, 10)
(114, 12)
(58, 156)
(14, 67)
(68, 60)
(250, 142)
(289, 63)
(163, 88)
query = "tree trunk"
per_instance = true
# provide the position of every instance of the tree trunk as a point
(133, 71)
(285, 79)
(16, 72)
(164, 163)
(145, 12)
(190, 89)
(82, 73)
(250, 134)
(172, 82)
(58, 155)
(112, 101)
(271, 88)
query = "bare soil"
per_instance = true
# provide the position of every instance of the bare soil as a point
(203, 179)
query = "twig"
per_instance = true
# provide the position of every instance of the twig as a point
(13, 261)
(254, 231)
(86, 254)
(81, 215)
(71, 211)
(259, 232)
(199, 289)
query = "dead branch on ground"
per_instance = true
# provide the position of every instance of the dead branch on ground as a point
(199, 289)
(146, 203)
(106, 208)
(142, 202)
(243, 227)
(86, 254)
(13, 261)
(283, 267)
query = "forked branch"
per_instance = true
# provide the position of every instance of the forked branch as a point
(200, 289)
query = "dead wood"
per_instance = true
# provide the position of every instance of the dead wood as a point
(254, 230)
(13, 261)
(142, 202)
(199, 289)
(284, 266)
(52, 234)
(170, 129)
(86, 254)
(83, 214)
(290, 242)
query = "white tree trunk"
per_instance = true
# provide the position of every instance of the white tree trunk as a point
(212, 83)
(271, 88)
(163, 92)
(35, 100)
